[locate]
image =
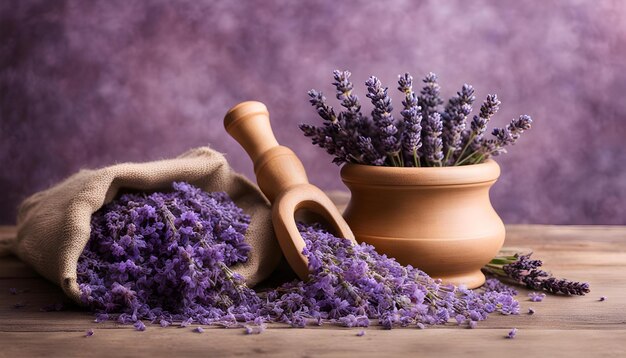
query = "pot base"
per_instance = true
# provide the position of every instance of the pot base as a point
(470, 280)
(454, 261)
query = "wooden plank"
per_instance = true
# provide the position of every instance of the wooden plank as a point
(317, 343)
(562, 326)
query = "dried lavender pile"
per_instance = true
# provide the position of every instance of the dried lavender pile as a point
(164, 257)
(427, 133)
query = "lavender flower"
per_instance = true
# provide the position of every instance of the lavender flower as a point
(13, 291)
(536, 297)
(473, 137)
(323, 109)
(504, 136)
(361, 333)
(426, 135)
(198, 330)
(430, 99)
(602, 298)
(411, 135)
(172, 263)
(369, 154)
(89, 333)
(523, 270)
(139, 326)
(383, 118)
(344, 93)
(512, 333)
(531, 311)
(433, 144)
(454, 117)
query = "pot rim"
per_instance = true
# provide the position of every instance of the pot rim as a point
(488, 171)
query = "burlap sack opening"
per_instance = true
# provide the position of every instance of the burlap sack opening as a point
(54, 225)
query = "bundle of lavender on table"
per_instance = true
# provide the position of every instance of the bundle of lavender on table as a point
(521, 269)
(166, 257)
(426, 133)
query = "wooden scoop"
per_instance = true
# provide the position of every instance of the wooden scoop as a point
(281, 177)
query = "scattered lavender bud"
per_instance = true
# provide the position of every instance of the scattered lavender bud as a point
(186, 322)
(198, 329)
(360, 333)
(512, 333)
(602, 298)
(473, 324)
(89, 333)
(165, 257)
(164, 323)
(139, 326)
(13, 291)
(531, 311)
(19, 305)
(536, 297)
(420, 325)
(255, 329)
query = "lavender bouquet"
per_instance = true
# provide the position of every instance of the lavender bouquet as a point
(427, 133)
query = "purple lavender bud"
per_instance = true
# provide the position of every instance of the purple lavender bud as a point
(531, 311)
(411, 136)
(12, 291)
(505, 136)
(430, 99)
(382, 116)
(361, 333)
(454, 117)
(89, 333)
(432, 148)
(370, 156)
(512, 333)
(479, 124)
(323, 109)
(536, 297)
(139, 326)
(344, 92)
(198, 330)
(602, 298)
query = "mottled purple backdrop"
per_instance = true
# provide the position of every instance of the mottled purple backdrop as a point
(90, 83)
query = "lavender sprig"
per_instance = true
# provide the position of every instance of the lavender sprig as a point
(478, 127)
(344, 92)
(430, 99)
(384, 119)
(454, 117)
(521, 269)
(504, 137)
(433, 144)
(411, 135)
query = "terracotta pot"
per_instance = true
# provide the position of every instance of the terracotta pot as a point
(439, 220)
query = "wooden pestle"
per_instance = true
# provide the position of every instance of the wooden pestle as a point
(283, 180)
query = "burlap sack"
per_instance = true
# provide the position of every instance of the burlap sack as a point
(54, 225)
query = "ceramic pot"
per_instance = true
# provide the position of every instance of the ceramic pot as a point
(437, 219)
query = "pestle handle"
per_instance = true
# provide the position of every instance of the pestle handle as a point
(277, 168)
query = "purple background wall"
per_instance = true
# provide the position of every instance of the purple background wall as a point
(89, 83)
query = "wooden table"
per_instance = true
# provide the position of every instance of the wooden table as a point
(561, 326)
